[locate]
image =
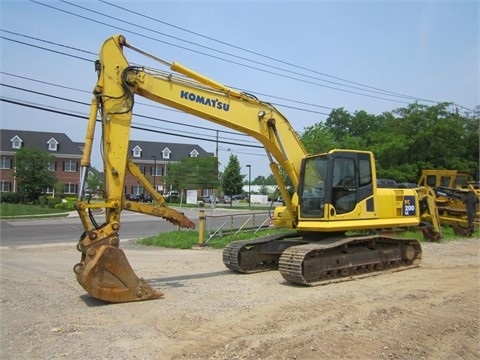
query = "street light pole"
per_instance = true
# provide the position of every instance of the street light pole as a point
(249, 184)
(154, 170)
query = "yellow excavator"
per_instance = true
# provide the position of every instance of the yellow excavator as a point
(336, 212)
(457, 199)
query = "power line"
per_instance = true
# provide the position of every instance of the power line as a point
(38, 107)
(252, 92)
(136, 114)
(210, 138)
(44, 48)
(88, 52)
(230, 61)
(49, 42)
(263, 55)
(42, 82)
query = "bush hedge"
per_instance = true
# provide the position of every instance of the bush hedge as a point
(61, 201)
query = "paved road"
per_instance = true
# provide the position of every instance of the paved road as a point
(14, 233)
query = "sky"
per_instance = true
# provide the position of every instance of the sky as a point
(306, 58)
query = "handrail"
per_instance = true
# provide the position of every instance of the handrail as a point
(251, 218)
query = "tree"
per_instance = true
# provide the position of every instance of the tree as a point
(437, 137)
(404, 141)
(199, 173)
(232, 180)
(171, 179)
(263, 190)
(352, 131)
(317, 139)
(259, 180)
(32, 173)
(94, 181)
(472, 140)
(270, 180)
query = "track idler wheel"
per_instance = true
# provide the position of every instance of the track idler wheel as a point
(106, 274)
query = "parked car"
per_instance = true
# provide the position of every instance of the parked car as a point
(147, 197)
(238, 197)
(210, 199)
(132, 197)
(386, 183)
(226, 199)
(172, 195)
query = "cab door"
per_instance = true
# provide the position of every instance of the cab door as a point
(351, 181)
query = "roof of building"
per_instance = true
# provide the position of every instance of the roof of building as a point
(39, 140)
(177, 151)
(149, 149)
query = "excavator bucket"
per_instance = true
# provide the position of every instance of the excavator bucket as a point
(106, 274)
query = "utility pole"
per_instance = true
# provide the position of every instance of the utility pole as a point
(154, 170)
(249, 184)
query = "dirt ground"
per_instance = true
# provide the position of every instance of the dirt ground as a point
(430, 312)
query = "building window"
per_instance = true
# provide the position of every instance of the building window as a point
(52, 166)
(5, 163)
(16, 142)
(194, 153)
(52, 144)
(166, 153)
(5, 186)
(70, 166)
(156, 171)
(137, 152)
(70, 188)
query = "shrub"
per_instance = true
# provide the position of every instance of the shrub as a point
(53, 202)
(66, 204)
(42, 201)
(11, 197)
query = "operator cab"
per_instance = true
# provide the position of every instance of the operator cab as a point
(341, 178)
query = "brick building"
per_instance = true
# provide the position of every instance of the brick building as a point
(151, 157)
(66, 163)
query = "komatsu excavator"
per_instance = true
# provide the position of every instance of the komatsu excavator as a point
(335, 212)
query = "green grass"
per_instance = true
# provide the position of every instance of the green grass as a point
(11, 210)
(186, 239)
(447, 232)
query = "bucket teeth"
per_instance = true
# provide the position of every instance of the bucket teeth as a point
(106, 274)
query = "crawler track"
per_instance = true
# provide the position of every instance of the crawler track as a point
(329, 260)
(335, 260)
(249, 256)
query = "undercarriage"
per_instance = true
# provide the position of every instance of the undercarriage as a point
(305, 262)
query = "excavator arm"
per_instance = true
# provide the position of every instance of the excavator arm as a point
(200, 96)
(104, 271)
